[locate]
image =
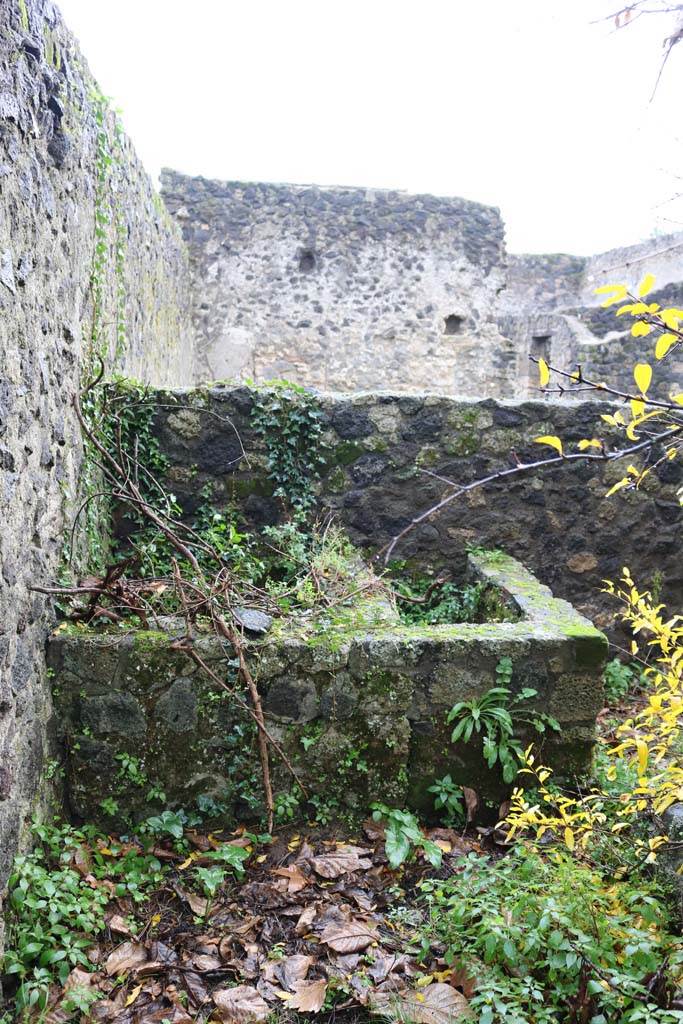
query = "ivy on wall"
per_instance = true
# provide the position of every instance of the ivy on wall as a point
(289, 422)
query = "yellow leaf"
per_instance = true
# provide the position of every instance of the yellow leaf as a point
(543, 373)
(618, 486)
(133, 996)
(643, 754)
(672, 317)
(640, 329)
(642, 374)
(664, 343)
(616, 293)
(646, 285)
(614, 421)
(585, 443)
(551, 440)
(678, 399)
(569, 838)
(637, 408)
(605, 289)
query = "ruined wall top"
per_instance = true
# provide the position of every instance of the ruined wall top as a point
(341, 288)
(347, 289)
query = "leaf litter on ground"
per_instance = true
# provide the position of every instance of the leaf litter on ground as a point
(310, 928)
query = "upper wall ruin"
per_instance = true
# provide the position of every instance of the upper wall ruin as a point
(348, 289)
(343, 289)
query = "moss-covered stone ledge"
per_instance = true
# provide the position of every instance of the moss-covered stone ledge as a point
(357, 701)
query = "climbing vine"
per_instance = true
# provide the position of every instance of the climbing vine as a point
(288, 420)
(89, 544)
(108, 212)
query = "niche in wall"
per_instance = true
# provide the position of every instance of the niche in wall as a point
(307, 261)
(453, 324)
(540, 346)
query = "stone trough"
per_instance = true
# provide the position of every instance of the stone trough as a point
(358, 705)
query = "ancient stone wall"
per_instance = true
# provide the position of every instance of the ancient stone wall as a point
(365, 684)
(381, 456)
(343, 288)
(348, 289)
(79, 221)
(551, 310)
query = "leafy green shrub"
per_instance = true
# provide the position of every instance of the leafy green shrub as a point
(404, 837)
(549, 940)
(618, 679)
(423, 600)
(448, 799)
(54, 914)
(168, 823)
(232, 856)
(497, 715)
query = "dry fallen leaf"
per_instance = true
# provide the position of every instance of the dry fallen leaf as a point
(78, 978)
(288, 971)
(118, 925)
(240, 1004)
(306, 919)
(309, 996)
(206, 962)
(133, 996)
(471, 802)
(341, 862)
(435, 1004)
(295, 879)
(348, 936)
(125, 957)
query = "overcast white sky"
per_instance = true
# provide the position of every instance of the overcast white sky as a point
(523, 104)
